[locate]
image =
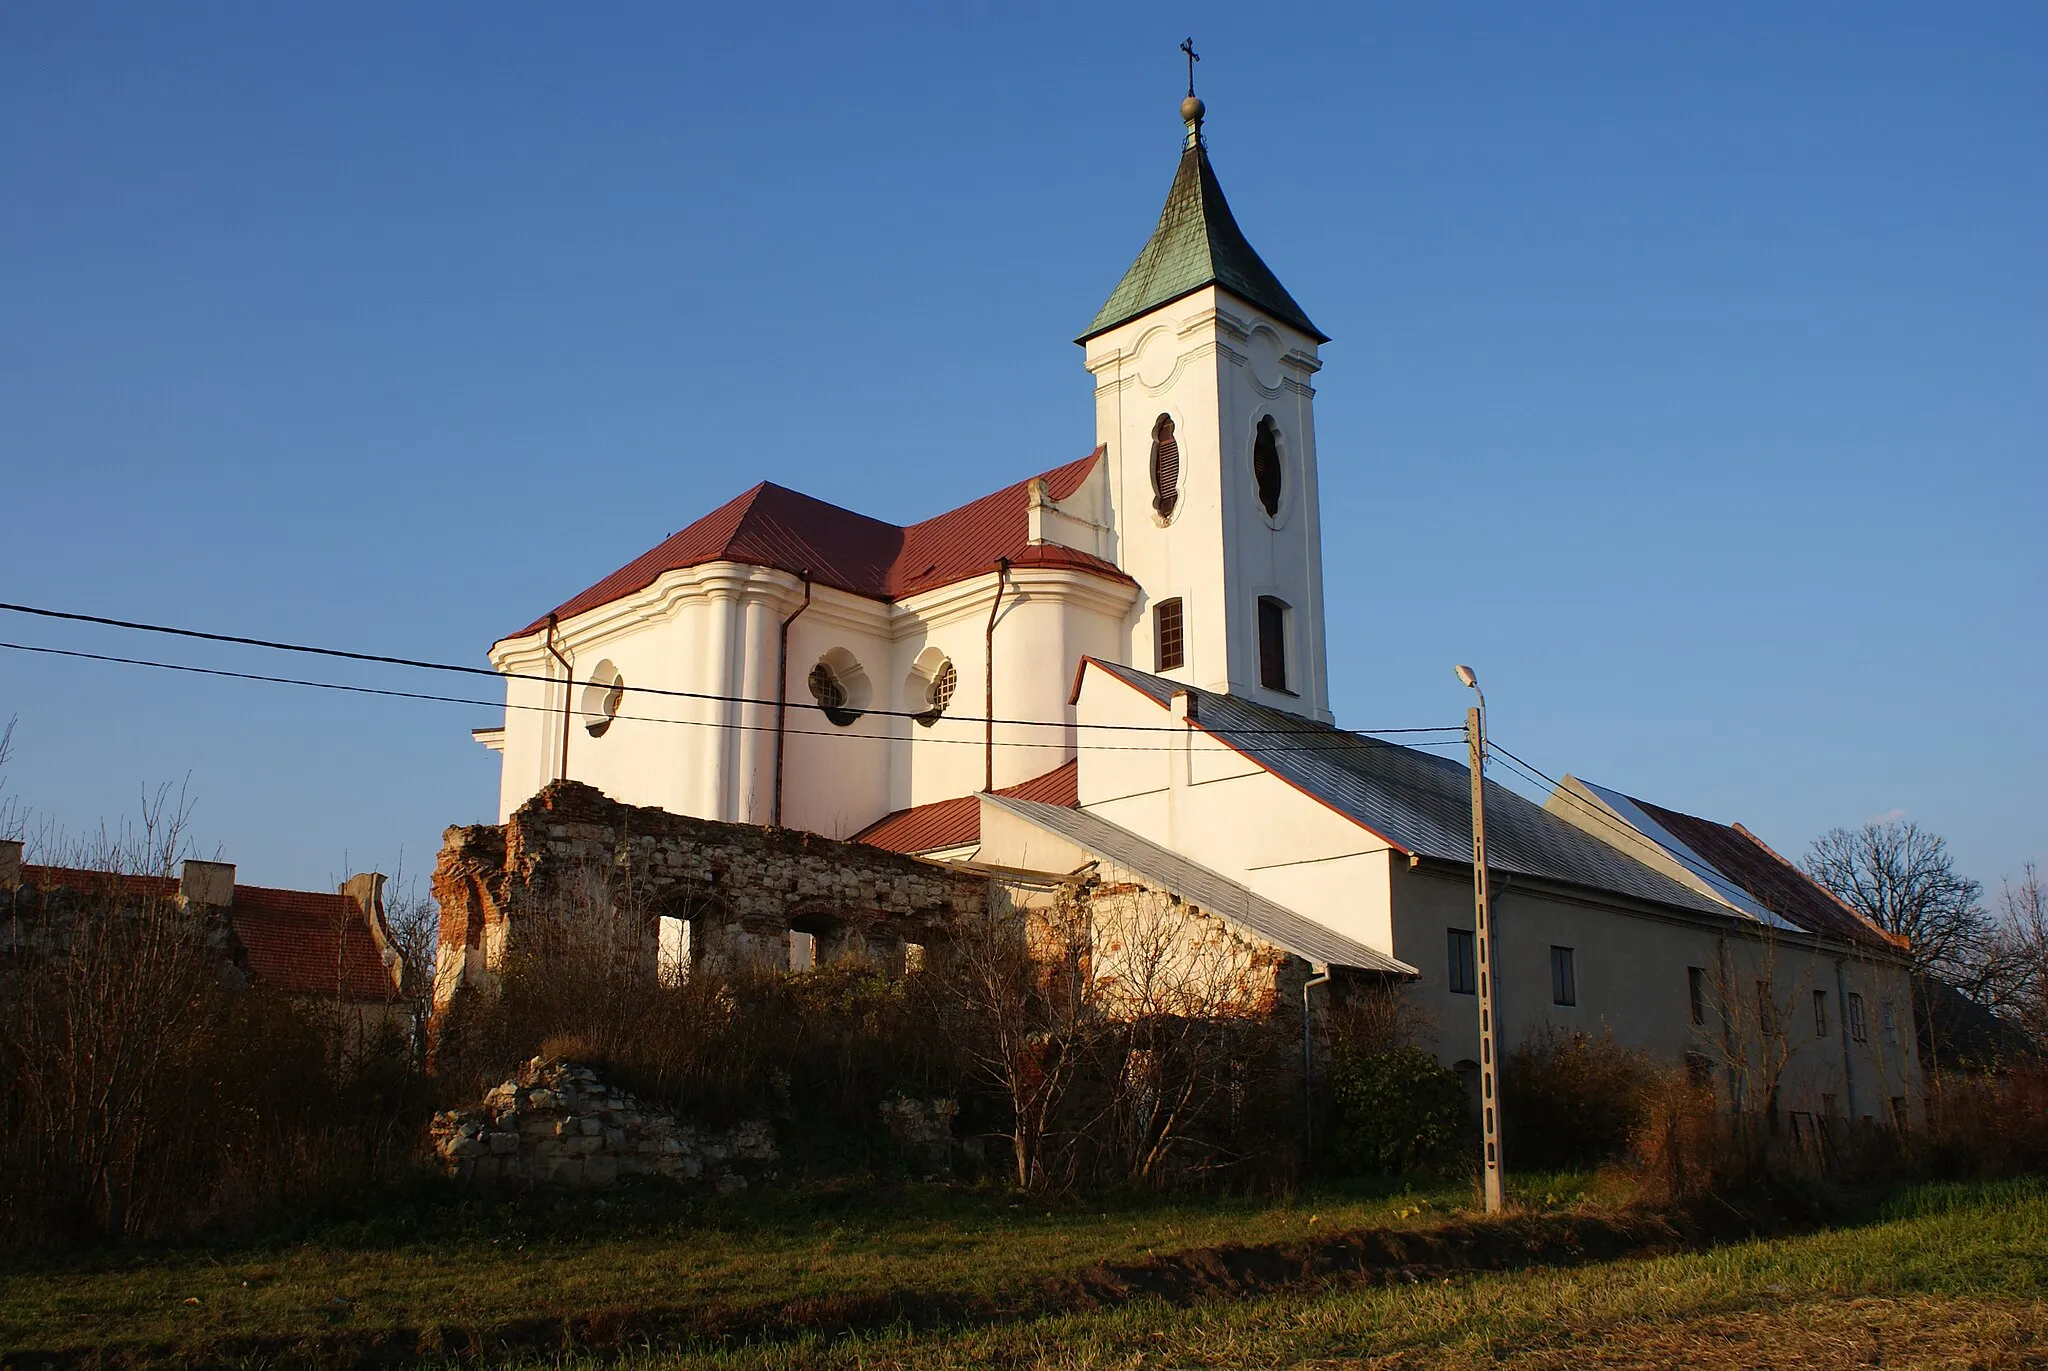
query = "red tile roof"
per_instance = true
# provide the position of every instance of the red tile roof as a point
(309, 943)
(957, 822)
(304, 942)
(1769, 879)
(89, 882)
(776, 527)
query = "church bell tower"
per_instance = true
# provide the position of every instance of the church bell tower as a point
(1202, 364)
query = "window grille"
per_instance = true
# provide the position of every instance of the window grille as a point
(1169, 635)
(945, 681)
(1165, 467)
(830, 693)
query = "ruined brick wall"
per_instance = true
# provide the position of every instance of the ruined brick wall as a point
(741, 888)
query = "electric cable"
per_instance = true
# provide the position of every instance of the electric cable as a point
(420, 664)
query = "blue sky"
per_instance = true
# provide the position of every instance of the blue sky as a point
(1690, 373)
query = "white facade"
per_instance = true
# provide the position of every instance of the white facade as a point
(1217, 367)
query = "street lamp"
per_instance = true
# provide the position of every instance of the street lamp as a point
(1489, 1056)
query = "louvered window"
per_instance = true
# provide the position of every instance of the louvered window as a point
(1165, 467)
(1266, 471)
(1169, 635)
(1272, 643)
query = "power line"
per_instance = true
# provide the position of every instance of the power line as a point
(1706, 873)
(551, 710)
(420, 664)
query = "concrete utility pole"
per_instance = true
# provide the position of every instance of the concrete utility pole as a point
(1482, 941)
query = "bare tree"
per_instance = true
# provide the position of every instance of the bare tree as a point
(1903, 879)
(2020, 954)
(1017, 976)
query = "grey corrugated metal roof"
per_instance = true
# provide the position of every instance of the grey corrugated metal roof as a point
(1197, 243)
(1420, 803)
(1197, 884)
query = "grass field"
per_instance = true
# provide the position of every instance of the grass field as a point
(932, 1277)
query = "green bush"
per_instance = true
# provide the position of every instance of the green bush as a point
(1396, 1110)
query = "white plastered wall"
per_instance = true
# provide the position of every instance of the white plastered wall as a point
(1217, 366)
(1186, 791)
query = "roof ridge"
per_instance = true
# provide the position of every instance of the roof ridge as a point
(1858, 915)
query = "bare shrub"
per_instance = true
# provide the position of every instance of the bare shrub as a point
(1570, 1100)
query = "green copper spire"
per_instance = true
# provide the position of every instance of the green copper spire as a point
(1197, 243)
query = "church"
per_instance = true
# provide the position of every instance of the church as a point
(1121, 659)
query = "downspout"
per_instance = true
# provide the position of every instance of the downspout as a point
(1842, 1028)
(988, 713)
(1308, 1089)
(782, 697)
(568, 695)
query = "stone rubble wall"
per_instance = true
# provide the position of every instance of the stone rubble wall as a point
(557, 1123)
(742, 887)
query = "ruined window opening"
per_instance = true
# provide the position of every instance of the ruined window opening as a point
(1169, 635)
(673, 965)
(1273, 643)
(803, 950)
(940, 694)
(1165, 467)
(1267, 472)
(915, 959)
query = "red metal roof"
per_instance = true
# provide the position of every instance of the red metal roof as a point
(305, 942)
(1769, 879)
(773, 526)
(309, 943)
(957, 822)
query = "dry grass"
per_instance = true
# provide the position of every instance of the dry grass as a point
(1940, 1276)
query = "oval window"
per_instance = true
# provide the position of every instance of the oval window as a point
(602, 697)
(1165, 467)
(945, 681)
(1267, 472)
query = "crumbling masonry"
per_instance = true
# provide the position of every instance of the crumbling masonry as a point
(740, 890)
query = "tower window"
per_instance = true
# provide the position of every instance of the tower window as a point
(1272, 643)
(1165, 467)
(1168, 635)
(1266, 469)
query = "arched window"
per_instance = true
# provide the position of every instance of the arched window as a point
(1272, 643)
(1266, 468)
(1165, 467)
(602, 697)
(840, 686)
(939, 693)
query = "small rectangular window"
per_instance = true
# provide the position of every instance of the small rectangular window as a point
(1766, 1010)
(1272, 643)
(1887, 1024)
(1820, 1013)
(672, 963)
(1696, 991)
(1859, 1030)
(1564, 979)
(1464, 979)
(1699, 1070)
(1169, 639)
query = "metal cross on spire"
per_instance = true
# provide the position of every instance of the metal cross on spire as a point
(1188, 46)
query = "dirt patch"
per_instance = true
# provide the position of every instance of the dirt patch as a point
(1355, 1257)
